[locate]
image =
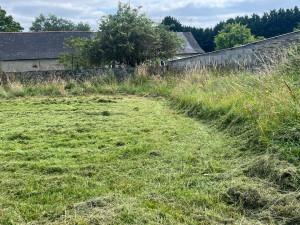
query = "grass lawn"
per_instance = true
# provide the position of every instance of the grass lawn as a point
(113, 159)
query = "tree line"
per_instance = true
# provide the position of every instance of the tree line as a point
(41, 23)
(273, 23)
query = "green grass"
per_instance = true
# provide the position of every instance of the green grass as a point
(264, 110)
(126, 159)
(205, 147)
(112, 159)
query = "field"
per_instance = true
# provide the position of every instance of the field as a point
(112, 159)
(202, 147)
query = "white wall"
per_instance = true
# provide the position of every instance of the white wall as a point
(30, 65)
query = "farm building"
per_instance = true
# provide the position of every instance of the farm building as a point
(32, 51)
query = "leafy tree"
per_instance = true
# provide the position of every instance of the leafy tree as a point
(125, 38)
(53, 23)
(166, 43)
(7, 23)
(84, 53)
(129, 37)
(233, 35)
(79, 56)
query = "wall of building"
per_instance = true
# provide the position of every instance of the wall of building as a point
(30, 65)
(254, 55)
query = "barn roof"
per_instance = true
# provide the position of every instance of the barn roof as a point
(50, 44)
(190, 44)
(36, 45)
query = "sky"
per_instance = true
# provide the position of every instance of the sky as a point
(198, 13)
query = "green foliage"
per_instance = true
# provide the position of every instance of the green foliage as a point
(7, 23)
(172, 23)
(82, 157)
(125, 38)
(273, 23)
(53, 23)
(131, 38)
(166, 43)
(82, 54)
(127, 159)
(233, 35)
(90, 159)
(297, 28)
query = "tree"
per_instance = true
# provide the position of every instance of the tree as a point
(233, 35)
(84, 53)
(129, 37)
(172, 23)
(125, 38)
(275, 22)
(166, 43)
(7, 23)
(53, 23)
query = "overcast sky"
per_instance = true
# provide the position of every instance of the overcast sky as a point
(199, 13)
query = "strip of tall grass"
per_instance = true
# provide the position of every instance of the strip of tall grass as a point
(263, 109)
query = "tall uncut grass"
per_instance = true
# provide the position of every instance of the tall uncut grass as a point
(262, 108)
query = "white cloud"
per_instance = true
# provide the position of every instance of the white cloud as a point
(203, 12)
(167, 5)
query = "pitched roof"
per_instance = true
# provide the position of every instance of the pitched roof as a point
(36, 45)
(50, 44)
(190, 44)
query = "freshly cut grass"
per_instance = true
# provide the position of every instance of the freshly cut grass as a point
(126, 159)
(144, 163)
(110, 159)
(63, 160)
(263, 109)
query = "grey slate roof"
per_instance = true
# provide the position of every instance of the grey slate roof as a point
(49, 44)
(191, 46)
(36, 45)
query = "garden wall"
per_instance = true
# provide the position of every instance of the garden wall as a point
(50, 75)
(253, 55)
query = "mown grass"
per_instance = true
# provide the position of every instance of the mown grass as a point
(263, 109)
(250, 133)
(112, 159)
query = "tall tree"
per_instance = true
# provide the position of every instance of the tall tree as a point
(7, 23)
(125, 38)
(172, 23)
(129, 37)
(53, 23)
